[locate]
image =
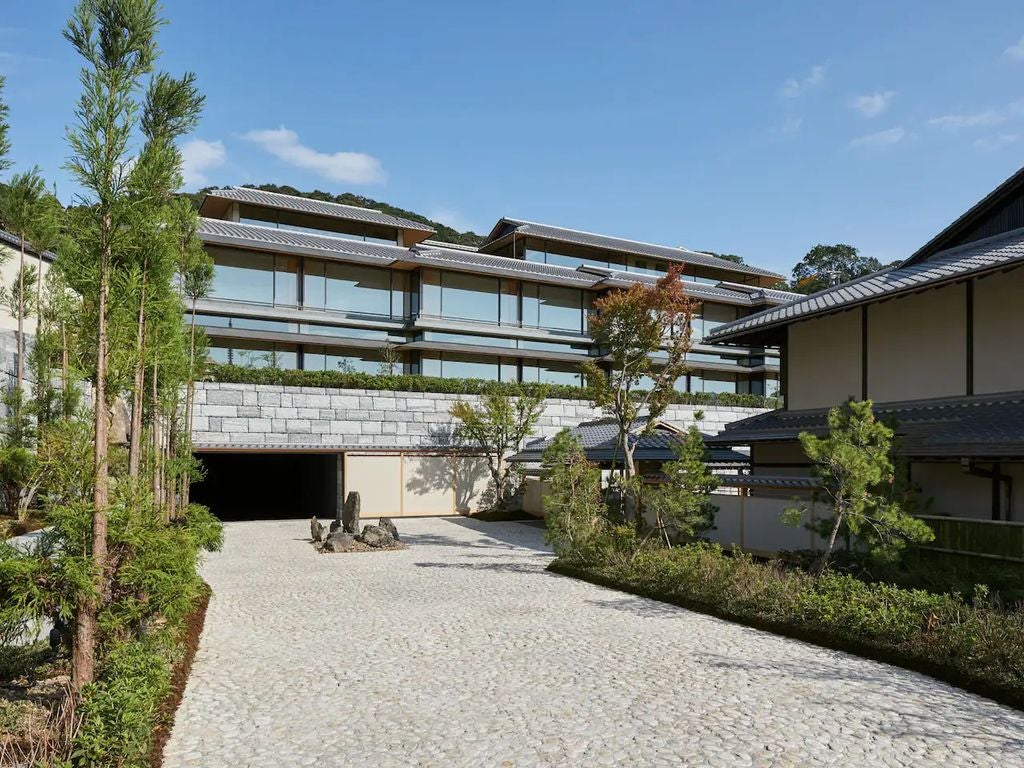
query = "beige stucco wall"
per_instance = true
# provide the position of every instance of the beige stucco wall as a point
(955, 493)
(824, 363)
(917, 346)
(377, 480)
(8, 274)
(999, 333)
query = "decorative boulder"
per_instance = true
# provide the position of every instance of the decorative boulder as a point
(316, 531)
(335, 525)
(350, 514)
(387, 525)
(339, 541)
(376, 537)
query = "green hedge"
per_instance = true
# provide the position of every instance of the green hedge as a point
(339, 380)
(970, 643)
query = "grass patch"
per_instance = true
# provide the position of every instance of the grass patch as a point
(970, 643)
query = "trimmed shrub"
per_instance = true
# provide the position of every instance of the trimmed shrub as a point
(972, 643)
(236, 374)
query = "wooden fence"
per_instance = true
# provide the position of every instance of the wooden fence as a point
(993, 539)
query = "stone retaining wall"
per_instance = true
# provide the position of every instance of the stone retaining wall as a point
(257, 415)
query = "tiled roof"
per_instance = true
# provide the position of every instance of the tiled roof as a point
(223, 232)
(229, 233)
(977, 425)
(953, 265)
(15, 242)
(486, 261)
(316, 207)
(621, 245)
(600, 438)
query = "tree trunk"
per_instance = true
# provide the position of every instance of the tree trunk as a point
(135, 446)
(190, 392)
(157, 443)
(822, 563)
(64, 373)
(84, 654)
(20, 364)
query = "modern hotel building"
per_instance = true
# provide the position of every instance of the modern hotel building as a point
(302, 283)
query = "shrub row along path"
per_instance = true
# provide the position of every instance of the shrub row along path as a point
(463, 651)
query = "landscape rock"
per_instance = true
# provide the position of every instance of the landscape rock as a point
(335, 525)
(316, 530)
(389, 526)
(376, 537)
(340, 541)
(350, 514)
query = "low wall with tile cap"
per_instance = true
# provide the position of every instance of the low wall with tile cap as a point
(274, 416)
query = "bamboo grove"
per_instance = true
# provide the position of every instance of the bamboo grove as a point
(96, 438)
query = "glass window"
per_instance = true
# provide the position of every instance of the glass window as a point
(352, 333)
(509, 309)
(242, 276)
(552, 373)
(286, 281)
(317, 358)
(256, 354)
(468, 338)
(430, 292)
(560, 307)
(358, 289)
(713, 382)
(465, 367)
(430, 365)
(401, 295)
(469, 297)
(314, 286)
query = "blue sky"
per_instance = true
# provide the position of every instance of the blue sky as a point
(754, 128)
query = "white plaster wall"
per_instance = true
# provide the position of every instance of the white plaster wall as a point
(999, 333)
(824, 363)
(917, 346)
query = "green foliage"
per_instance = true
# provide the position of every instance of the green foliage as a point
(121, 709)
(828, 265)
(682, 503)
(855, 467)
(578, 527)
(969, 642)
(498, 425)
(5, 142)
(341, 380)
(632, 326)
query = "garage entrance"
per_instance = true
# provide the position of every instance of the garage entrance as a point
(266, 486)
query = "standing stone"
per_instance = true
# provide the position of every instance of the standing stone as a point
(387, 525)
(316, 531)
(350, 514)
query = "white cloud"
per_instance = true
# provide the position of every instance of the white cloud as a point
(794, 87)
(873, 104)
(886, 138)
(347, 167)
(995, 143)
(791, 125)
(955, 122)
(198, 157)
(1016, 51)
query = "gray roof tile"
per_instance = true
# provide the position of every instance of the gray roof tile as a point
(635, 247)
(316, 207)
(223, 232)
(955, 264)
(978, 425)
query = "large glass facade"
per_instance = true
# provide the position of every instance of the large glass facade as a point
(253, 354)
(553, 306)
(355, 289)
(710, 317)
(298, 222)
(318, 358)
(455, 366)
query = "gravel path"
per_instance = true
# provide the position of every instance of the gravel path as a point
(463, 651)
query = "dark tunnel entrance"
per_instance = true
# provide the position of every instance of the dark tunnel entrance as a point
(268, 486)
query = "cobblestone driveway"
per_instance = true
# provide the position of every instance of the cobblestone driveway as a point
(463, 651)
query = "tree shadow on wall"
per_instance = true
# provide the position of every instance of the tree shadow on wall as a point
(443, 474)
